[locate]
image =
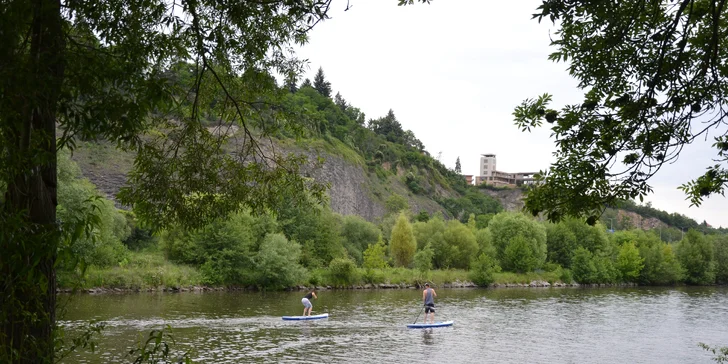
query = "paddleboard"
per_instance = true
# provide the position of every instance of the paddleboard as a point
(312, 317)
(436, 324)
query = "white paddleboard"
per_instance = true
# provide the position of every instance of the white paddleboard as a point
(312, 317)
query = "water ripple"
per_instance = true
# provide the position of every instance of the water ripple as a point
(651, 325)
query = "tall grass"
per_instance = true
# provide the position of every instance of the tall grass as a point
(140, 271)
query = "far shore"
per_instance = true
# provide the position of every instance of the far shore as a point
(464, 285)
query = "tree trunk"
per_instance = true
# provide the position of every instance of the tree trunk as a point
(31, 235)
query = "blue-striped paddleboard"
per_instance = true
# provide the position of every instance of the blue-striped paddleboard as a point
(312, 317)
(436, 324)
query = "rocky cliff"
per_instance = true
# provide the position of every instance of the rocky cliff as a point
(354, 190)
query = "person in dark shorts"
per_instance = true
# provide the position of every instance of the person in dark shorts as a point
(307, 306)
(428, 296)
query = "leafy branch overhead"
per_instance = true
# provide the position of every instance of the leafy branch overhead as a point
(654, 76)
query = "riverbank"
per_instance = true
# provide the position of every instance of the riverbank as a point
(151, 272)
(535, 284)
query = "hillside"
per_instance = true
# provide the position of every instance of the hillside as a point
(356, 190)
(368, 163)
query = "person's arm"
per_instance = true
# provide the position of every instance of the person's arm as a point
(434, 293)
(424, 297)
(314, 295)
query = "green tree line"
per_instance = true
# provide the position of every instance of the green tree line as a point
(297, 246)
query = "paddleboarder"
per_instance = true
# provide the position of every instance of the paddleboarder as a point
(307, 306)
(428, 296)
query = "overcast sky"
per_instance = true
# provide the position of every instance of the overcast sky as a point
(453, 71)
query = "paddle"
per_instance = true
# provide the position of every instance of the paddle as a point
(418, 314)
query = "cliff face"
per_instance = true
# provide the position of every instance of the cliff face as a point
(353, 190)
(356, 191)
(511, 199)
(638, 221)
(349, 192)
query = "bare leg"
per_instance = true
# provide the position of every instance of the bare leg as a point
(304, 311)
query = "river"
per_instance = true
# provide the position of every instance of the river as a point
(509, 325)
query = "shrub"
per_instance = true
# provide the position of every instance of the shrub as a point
(277, 263)
(423, 259)
(483, 270)
(374, 256)
(373, 276)
(227, 267)
(342, 271)
(566, 276)
(396, 203)
(583, 267)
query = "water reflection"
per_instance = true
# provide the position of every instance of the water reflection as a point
(653, 325)
(427, 337)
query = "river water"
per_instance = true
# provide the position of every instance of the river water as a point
(510, 325)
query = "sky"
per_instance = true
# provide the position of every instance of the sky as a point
(453, 72)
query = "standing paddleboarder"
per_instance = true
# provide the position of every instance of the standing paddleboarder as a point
(428, 296)
(307, 306)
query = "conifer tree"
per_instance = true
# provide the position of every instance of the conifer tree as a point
(320, 83)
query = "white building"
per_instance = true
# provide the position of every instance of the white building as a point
(487, 165)
(490, 175)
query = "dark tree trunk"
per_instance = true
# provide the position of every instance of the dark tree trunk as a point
(29, 252)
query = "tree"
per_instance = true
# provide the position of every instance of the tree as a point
(388, 127)
(721, 259)
(277, 263)
(460, 245)
(483, 270)
(90, 72)
(505, 227)
(629, 262)
(457, 166)
(306, 83)
(358, 234)
(560, 243)
(320, 84)
(432, 233)
(695, 253)
(661, 265)
(374, 255)
(583, 266)
(291, 83)
(423, 259)
(402, 244)
(341, 103)
(638, 116)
